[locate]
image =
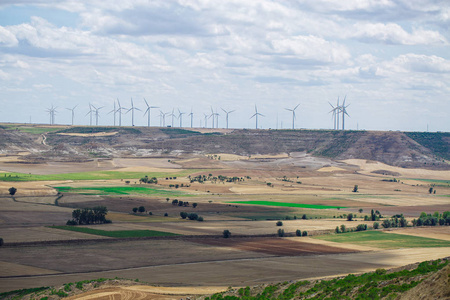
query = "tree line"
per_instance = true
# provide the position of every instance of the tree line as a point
(86, 216)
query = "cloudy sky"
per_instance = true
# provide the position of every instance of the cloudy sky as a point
(390, 58)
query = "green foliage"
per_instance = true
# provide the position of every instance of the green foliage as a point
(283, 204)
(355, 189)
(298, 232)
(192, 216)
(12, 191)
(280, 232)
(350, 217)
(19, 294)
(226, 233)
(141, 209)
(305, 233)
(376, 225)
(183, 214)
(361, 227)
(117, 233)
(435, 141)
(119, 190)
(279, 223)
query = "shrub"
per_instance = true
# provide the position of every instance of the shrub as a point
(304, 217)
(279, 223)
(180, 203)
(12, 191)
(192, 216)
(361, 227)
(343, 229)
(386, 224)
(200, 219)
(141, 209)
(226, 233)
(376, 225)
(349, 217)
(305, 233)
(150, 213)
(280, 232)
(71, 222)
(166, 215)
(298, 232)
(337, 230)
(183, 215)
(355, 189)
(135, 209)
(194, 205)
(175, 202)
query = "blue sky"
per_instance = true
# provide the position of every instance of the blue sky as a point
(391, 59)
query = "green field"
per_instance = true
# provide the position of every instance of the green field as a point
(33, 130)
(435, 182)
(284, 204)
(117, 233)
(119, 190)
(379, 239)
(97, 175)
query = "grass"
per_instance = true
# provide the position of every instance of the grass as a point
(116, 233)
(33, 130)
(436, 182)
(379, 239)
(284, 204)
(119, 190)
(94, 175)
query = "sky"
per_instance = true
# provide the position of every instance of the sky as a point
(389, 59)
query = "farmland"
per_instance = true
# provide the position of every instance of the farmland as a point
(281, 210)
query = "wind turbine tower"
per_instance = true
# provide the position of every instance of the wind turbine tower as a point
(73, 112)
(191, 114)
(148, 111)
(256, 114)
(227, 113)
(90, 114)
(293, 114)
(180, 116)
(132, 109)
(344, 112)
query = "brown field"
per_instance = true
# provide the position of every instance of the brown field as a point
(202, 261)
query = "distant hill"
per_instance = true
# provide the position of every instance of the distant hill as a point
(404, 149)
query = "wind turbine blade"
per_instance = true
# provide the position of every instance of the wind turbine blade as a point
(296, 106)
(146, 102)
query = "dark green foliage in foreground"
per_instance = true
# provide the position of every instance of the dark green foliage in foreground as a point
(373, 285)
(436, 141)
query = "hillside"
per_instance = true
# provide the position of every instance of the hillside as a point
(426, 150)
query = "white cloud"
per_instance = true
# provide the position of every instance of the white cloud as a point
(422, 63)
(394, 34)
(7, 38)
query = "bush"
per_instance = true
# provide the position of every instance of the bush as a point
(337, 230)
(279, 223)
(386, 224)
(305, 233)
(192, 216)
(135, 209)
(12, 191)
(226, 233)
(71, 222)
(355, 189)
(280, 232)
(304, 217)
(349, 217)
(343, 229)
(141, 209)
(298, 232)
(194, 205)
(200, 219)
(361, 227)
(376, 225)
(166, 215)
(183, 214)
(150, 213)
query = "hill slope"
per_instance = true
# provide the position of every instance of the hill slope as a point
(429, 150)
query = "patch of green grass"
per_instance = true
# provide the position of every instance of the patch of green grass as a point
(96, 129)
(19, 294)
(435, 182)
(383, 240)
(284, 204)
(117, 233)
(119, 190)
(33, 130)
(95, 175)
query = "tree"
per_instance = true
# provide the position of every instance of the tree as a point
(175, 202)
(280, 232)
(1, 242)
(226, 233)
(135, 209)
(12, 191)
(337, 230)
(192, 216)
(360, 210)
(194, 205)
(141, 209)
(376, 225)
(355, 189)
(200, 219)
(279, 223)
(386, 224)
(350, 217)
(183, 215)
(298, 232)
(305, 233)
(430, 190)
(372, 216)
(343, 229)
(304, 217)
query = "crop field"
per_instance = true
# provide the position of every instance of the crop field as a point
(120, 190)
(117, 233)
(34, 130)
(283, 204)
(384, 240)
(100, 175)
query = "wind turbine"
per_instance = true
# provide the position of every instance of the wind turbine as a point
(191, 114)
(227, 113)
(344, 112)
(180, 116)
(90, 114)
(206, 119)
(336, 110)
(120, 110)
(256, 114)
(97, 115)
(73, 112)
(132, 109)
(212, 115)
(114, 111)
(147, 111)
(52, 112)
(293, 114)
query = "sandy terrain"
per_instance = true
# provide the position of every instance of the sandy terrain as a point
(440, 233)
(368, 167)
(89, 134)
